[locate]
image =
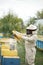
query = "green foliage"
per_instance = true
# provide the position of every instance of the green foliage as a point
(10, 22)
(31, 21)
(40, 31)
(39, 14)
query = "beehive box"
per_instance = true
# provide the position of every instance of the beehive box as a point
(7, 52)
(5, 46)
(8, 60)
(1, 60)
(39, 42)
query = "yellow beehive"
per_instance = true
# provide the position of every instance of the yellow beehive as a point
(7, 52)
(5, 46)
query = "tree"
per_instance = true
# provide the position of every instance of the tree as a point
(40, 27)
(10, 22)
(39, 14)
(31, 21)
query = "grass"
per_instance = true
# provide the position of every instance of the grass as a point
(39, 57)
(21, 52)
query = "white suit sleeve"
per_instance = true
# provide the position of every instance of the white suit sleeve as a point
(31, 38)
(25, 37)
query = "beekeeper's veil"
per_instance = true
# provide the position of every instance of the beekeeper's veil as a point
(31, 29)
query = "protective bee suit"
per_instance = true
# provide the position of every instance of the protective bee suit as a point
(30, 43)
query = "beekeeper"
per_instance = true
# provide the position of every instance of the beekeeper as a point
(30, 43)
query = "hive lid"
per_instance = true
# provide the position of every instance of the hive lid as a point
(11, 56)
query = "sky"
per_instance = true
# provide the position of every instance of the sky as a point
(23, 8)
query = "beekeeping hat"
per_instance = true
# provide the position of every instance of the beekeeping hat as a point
(31, 28)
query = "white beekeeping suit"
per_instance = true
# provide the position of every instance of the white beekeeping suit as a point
(30, 43)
